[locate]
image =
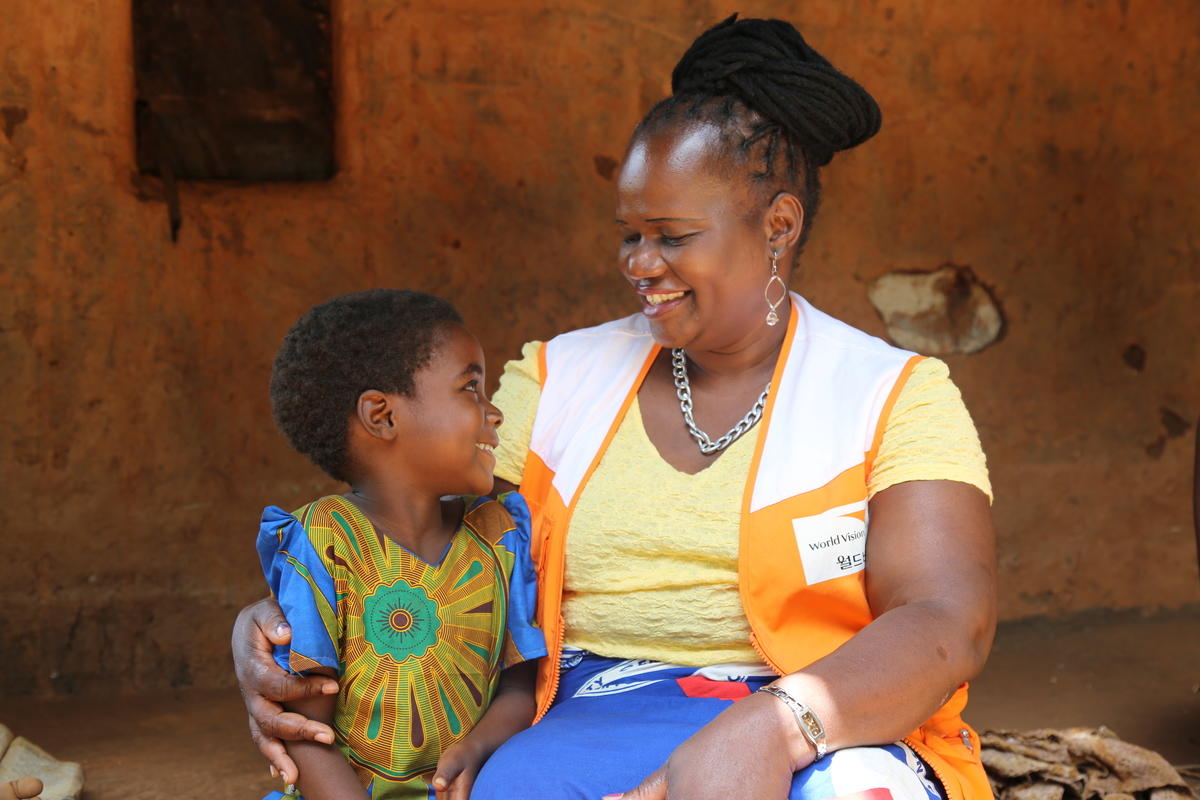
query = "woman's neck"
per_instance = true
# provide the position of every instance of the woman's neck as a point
(754, 355)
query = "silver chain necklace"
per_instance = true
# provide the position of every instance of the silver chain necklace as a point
(683, 390)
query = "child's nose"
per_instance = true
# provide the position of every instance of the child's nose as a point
(495, 415)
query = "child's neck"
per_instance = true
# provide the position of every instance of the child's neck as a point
(417, 521)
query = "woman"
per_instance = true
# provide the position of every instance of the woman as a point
(683, 574)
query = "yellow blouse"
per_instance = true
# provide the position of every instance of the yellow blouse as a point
(653, 574)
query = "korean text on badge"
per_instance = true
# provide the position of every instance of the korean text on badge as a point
(830, 546)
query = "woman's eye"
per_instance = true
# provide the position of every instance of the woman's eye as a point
(675, 241)
(630, 239)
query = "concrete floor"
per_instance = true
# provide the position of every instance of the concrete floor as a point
(1139, 675)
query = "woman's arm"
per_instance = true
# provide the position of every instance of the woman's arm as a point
(264, 686)
(931, 586)
(510, 712)
(324, 772)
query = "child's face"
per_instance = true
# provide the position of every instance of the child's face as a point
(455, 429)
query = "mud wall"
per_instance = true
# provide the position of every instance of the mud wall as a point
(1050, 147)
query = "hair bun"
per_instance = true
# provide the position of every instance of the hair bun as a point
(767, 65)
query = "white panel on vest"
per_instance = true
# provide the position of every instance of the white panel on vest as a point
(830, 546)
(590, 373)
(834, 384)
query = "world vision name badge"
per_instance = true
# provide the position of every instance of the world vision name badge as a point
(830, 546)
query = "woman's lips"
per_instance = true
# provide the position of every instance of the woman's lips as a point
(656, 304)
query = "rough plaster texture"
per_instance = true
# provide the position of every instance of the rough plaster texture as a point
(1050, 147)
(940, 312)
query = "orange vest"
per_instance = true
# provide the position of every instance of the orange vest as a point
(802, 546)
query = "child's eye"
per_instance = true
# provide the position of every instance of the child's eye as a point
(472, 386)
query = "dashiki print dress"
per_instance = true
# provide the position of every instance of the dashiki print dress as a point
(418, 647)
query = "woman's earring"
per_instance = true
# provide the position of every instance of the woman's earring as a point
(772, 317)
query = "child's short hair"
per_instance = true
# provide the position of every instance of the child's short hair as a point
(377, 339)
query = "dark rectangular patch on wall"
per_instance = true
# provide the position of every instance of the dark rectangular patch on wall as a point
(234, 89)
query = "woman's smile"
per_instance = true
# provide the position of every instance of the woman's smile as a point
(657, 303)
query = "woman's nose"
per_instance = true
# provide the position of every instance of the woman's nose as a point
(643, 261)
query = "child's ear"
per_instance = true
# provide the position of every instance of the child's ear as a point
(378, 414)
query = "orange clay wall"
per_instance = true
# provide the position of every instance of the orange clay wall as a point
(1049, 146)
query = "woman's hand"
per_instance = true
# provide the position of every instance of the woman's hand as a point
(750, 750)
(264, 685)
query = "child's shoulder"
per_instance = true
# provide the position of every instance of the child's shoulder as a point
(331, 517)
(493, 519)
(309, 538)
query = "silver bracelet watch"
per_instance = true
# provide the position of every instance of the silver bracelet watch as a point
(808, 722)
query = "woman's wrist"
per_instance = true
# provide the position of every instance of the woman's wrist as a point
(807, 722)
(800, 750)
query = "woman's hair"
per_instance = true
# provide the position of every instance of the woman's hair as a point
(376, 339)
(779, 105)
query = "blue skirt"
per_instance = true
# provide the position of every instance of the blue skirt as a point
(615, 721)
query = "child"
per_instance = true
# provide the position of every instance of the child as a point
(419, 602)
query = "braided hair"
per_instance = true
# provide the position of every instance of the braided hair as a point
(776, 102)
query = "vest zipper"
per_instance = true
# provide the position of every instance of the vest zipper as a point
(555, 670)
(763, 655)
(930, 762)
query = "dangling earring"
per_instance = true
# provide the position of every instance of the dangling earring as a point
(772, 317)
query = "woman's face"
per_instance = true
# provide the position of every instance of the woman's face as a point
(692, 246)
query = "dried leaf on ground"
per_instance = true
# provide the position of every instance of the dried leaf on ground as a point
(1077, 764)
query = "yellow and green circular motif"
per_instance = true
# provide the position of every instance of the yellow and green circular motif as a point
(400, 621)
